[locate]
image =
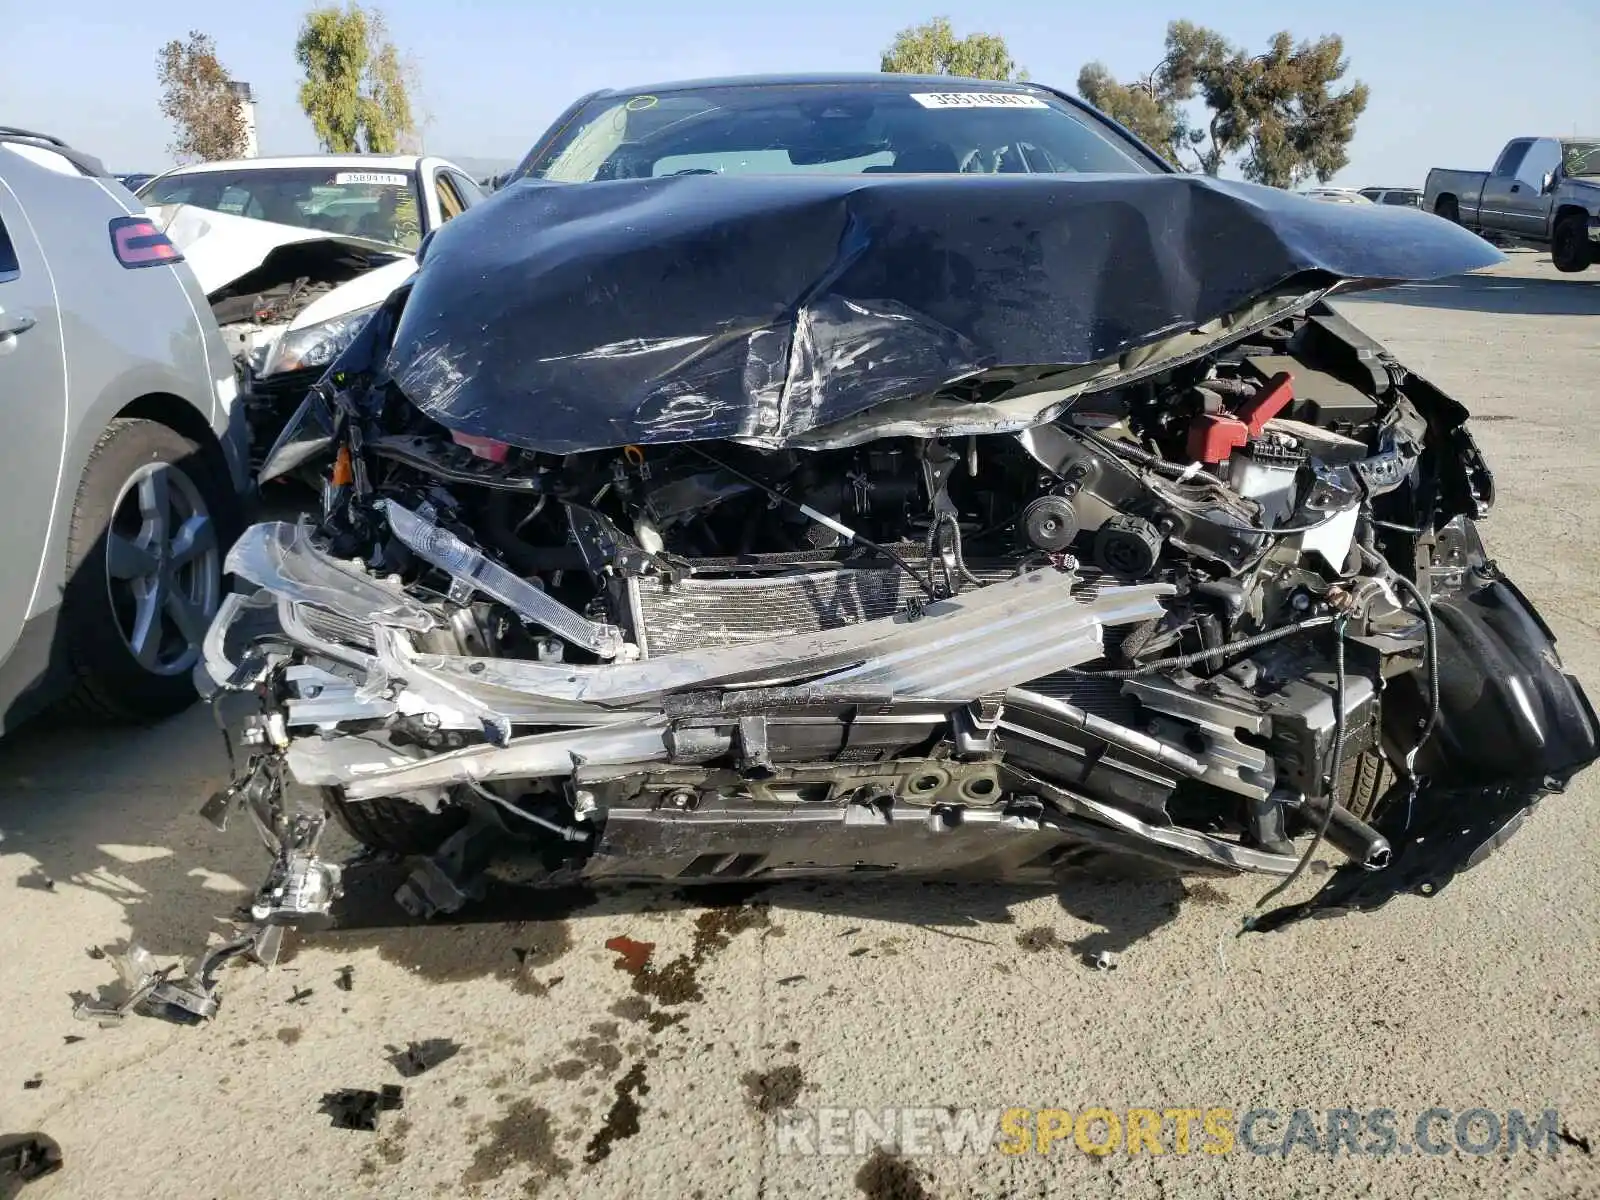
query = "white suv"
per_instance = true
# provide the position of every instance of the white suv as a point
(122, 454)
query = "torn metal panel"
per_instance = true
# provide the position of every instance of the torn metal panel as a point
(911, 656)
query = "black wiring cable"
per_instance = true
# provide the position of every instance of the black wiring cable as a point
(939, 521)
(1333, 774)
(822, 519)
(1430, 631)
(1189, 660)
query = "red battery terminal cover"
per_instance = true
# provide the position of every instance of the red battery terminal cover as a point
(1214, 436)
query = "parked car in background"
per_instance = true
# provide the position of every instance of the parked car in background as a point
(1543, 190)
(295, 253)
(1403, 197)
(134, 181)
(1336, 195)
(121, 458)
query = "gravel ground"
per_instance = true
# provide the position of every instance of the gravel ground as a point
(575, 1077)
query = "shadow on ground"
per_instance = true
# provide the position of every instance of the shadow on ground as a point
(1126, 909)
(1578, 296)
(114, 813)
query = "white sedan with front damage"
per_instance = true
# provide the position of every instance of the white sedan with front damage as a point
(295, 253)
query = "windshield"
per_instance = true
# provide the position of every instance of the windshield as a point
(852, 128)
(380, 205)
(1580, 158)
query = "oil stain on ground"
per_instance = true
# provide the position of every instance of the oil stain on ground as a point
(524, 1137)
(637, 1008)
(391, 1148)
(622, 1119)
(887, 1176)
(508, 935)
(775, 1090)
(1040, 938)
(457, 953)
(1208, 894)
(678, 981)
(599, 1049)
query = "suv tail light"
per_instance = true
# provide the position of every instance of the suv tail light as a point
(138, 243)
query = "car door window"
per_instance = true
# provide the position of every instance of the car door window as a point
(1543, 157)
(1511, 159)
(450, 202)
(9, 267)
(471, 193)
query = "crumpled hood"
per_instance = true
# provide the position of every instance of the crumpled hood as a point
(222, 248)
(566, 317)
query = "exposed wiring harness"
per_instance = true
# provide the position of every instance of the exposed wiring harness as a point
(1430, 631)
(940, 520)
(1200, 656)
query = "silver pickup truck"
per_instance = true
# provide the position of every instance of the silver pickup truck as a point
(1544, 190)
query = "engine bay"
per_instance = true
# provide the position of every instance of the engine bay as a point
(1186, 621)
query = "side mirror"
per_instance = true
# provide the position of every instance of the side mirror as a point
(1548, 182)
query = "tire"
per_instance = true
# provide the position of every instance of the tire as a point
(1447, 208)
(1365, 783)
(1569, 244)
(152, 519)
(392, 824)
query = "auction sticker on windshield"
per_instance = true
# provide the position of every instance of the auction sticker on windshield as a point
(976, 100)
(379, 178)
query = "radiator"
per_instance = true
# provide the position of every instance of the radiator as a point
(705, 611)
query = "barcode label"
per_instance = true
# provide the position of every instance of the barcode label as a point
(977, 100)
(380, 178)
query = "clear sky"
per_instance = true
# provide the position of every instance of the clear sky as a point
(1451, 80)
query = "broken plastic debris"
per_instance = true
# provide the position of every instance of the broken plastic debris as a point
(189, 1000)
(345, 979)
(1103, 960)
(300, 995)
(419, 1057)
(34, 1084)
(25, 1157)
(357, 1108)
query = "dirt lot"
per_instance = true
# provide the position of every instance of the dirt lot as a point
(576, 1077)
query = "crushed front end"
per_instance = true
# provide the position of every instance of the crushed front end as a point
(1203, 605)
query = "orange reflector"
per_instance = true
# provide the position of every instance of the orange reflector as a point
(343, 473)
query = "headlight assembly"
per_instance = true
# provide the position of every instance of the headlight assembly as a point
(315, 345)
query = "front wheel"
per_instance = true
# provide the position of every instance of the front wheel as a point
(393, 824)
(1569, 244)
(144, 571)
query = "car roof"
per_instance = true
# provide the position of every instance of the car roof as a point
(87, 163)
(944, 83)
(379, 162)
